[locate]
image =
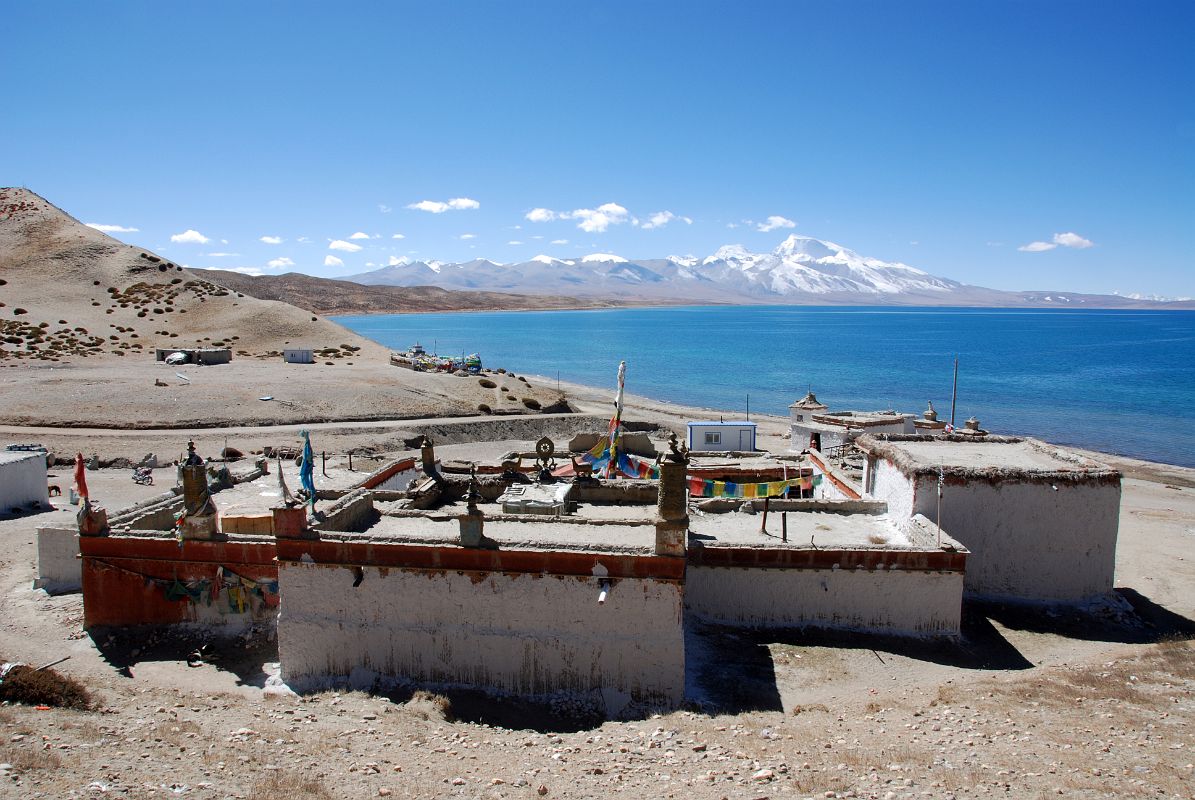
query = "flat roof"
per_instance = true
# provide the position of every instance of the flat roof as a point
(1006, 457)
(631, 530)
(15, 456)
(720, 422)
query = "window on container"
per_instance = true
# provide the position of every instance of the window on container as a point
(713, 438)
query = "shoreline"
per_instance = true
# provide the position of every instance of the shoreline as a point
(683, 303)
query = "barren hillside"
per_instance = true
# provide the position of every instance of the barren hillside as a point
(70, 291)
(81, 315)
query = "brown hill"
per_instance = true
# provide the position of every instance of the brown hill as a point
(327, 296)
(68, 291)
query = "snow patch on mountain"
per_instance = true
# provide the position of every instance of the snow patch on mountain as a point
(603, 257)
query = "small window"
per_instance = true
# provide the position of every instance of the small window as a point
(800, 417)
(713, 438)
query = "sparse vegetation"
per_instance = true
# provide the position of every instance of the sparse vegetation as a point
(45, 687)
(531, 403)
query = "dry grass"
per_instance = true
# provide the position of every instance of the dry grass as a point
(45, 687)
(28, 759)
(427, 705)
(285, 784)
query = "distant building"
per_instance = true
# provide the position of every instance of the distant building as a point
(197, 355)
(1041, 522)
(298, 355)
(812, 424)
(717, 435)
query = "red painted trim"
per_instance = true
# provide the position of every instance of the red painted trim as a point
(843, 486)
(805, 558)
(260, 552)
(451, 557)
(387, 473)
(118, 570)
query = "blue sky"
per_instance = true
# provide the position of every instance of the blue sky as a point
(950, 136)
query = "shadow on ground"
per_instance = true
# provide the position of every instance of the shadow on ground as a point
(732, 670)
(1132, 618)
(243, 656)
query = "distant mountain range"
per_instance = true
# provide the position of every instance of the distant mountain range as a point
(801, 270)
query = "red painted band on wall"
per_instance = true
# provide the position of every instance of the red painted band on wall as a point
(448, 557)
(806, 558)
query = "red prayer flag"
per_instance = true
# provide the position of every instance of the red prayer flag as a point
(80, 476)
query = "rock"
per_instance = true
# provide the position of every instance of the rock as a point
(763, 775)
(458, 781)
(542, 790)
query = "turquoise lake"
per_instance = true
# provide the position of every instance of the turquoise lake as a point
(1116, 381)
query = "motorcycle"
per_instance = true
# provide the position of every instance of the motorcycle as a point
(143, 476)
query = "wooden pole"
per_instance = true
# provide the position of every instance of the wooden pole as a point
(954, 394)
(763, 527)
(784, 526)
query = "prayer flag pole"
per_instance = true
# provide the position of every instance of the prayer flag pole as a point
(954, 394)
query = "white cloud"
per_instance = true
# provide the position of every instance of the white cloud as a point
(514, 242)
(438, 207)
(341, 244)
(467, 236)
(732, 224)
(254, 271)
(190, 236)
(398, 261)
(540, 215)
(431, 206)
(332, 261)
(224, 255)
(398, 236)
(599, 219)
(360, 235)
(279, 263)
(385, 209)
(662, 218)
(1069, 239)
(560, 241)
(1073, 240)
(301, 240)
(773, 222)
(112, 228)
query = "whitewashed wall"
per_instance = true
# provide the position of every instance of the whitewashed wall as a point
(59, 568)
(23, 481)
(1029, 541)
(522, 633)
(883, 481)
(881, 600)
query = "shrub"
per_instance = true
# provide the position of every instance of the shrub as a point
(486, 383)
(531, 403)
(46, 687)
(484, 409)
(19, 311)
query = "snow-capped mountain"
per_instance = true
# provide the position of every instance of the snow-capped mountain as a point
(800, 268)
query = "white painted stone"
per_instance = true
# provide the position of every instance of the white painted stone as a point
(885, 601)
(59, 569)
(521, 633)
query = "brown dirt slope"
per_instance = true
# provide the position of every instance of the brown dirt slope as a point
(326, 296)
(70, 292)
